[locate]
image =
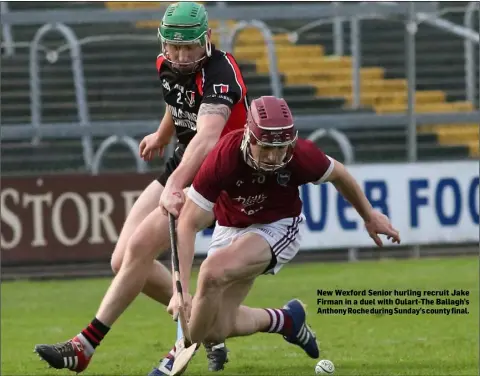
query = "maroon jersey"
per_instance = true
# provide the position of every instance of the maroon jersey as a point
(241, 196)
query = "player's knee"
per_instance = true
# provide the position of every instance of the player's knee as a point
(117, 257)
(139, 248)
(115, 263)
(212, 275)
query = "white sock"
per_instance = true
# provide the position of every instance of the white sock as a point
(219, 346)
(87, 347)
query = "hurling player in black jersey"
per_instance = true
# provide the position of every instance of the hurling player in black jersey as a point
(206, 98)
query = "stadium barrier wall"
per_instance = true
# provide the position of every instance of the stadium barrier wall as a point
(77, 218)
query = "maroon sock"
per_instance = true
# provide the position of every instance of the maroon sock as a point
(280, 321)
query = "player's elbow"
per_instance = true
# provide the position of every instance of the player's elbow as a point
(193, 218)
(185, 226)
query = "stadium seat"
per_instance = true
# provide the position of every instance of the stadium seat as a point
(307, 64)
(259, 52)
(122, 84)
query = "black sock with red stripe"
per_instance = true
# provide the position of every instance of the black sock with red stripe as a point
(95, 332)
(280, 321)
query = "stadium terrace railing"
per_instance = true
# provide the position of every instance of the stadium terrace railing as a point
(128, 141)
(7, 31)
(88, 129)
(74, 45)
(467, 32)
(340, 138)
(78, 79)
(469, 54)
(275, 83)
(314, 10)
(348, 158)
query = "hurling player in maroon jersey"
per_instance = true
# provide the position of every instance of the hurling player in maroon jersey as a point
(205, 97)
(249, 184)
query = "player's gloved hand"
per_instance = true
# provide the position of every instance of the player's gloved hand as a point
(174, 306)
(378, 223)
(172, 200)
(150, 145)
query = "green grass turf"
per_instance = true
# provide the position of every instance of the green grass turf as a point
(48, 312)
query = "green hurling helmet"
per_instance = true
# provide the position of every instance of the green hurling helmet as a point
(185, 23)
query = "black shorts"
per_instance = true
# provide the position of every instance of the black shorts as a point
(171, 165)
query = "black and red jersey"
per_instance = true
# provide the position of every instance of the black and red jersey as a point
(219, 81)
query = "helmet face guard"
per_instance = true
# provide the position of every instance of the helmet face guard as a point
(191, 66)
(185, 23)
(271, 156)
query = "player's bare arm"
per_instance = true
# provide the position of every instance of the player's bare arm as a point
(375, 222)
(166, 128)
(211, 120)
(156, 141)
(192, 220)
(346, 184)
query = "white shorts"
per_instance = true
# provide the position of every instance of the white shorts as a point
(283, 236)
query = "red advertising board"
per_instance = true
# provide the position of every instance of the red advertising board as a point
(65, 218)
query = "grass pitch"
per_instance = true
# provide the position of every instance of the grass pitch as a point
(48, 312)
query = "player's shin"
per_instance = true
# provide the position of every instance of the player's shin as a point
(205, 311)
(249, 321)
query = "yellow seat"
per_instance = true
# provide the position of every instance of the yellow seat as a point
(120, 5)
(259, 52)
(444, 107)
(306, 76)
(370, 98)
(151, 24)
(115, 5)
(215, 24)
(396, 84)
(457, 134)
(345, 87)
(426, 107)
(374, 98)
(474, 148)
(311, 64)
(332, 76)
(463, 106)
(247, 39)
(434, 127)
(421, 97)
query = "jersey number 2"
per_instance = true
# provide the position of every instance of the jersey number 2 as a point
(179, 98)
